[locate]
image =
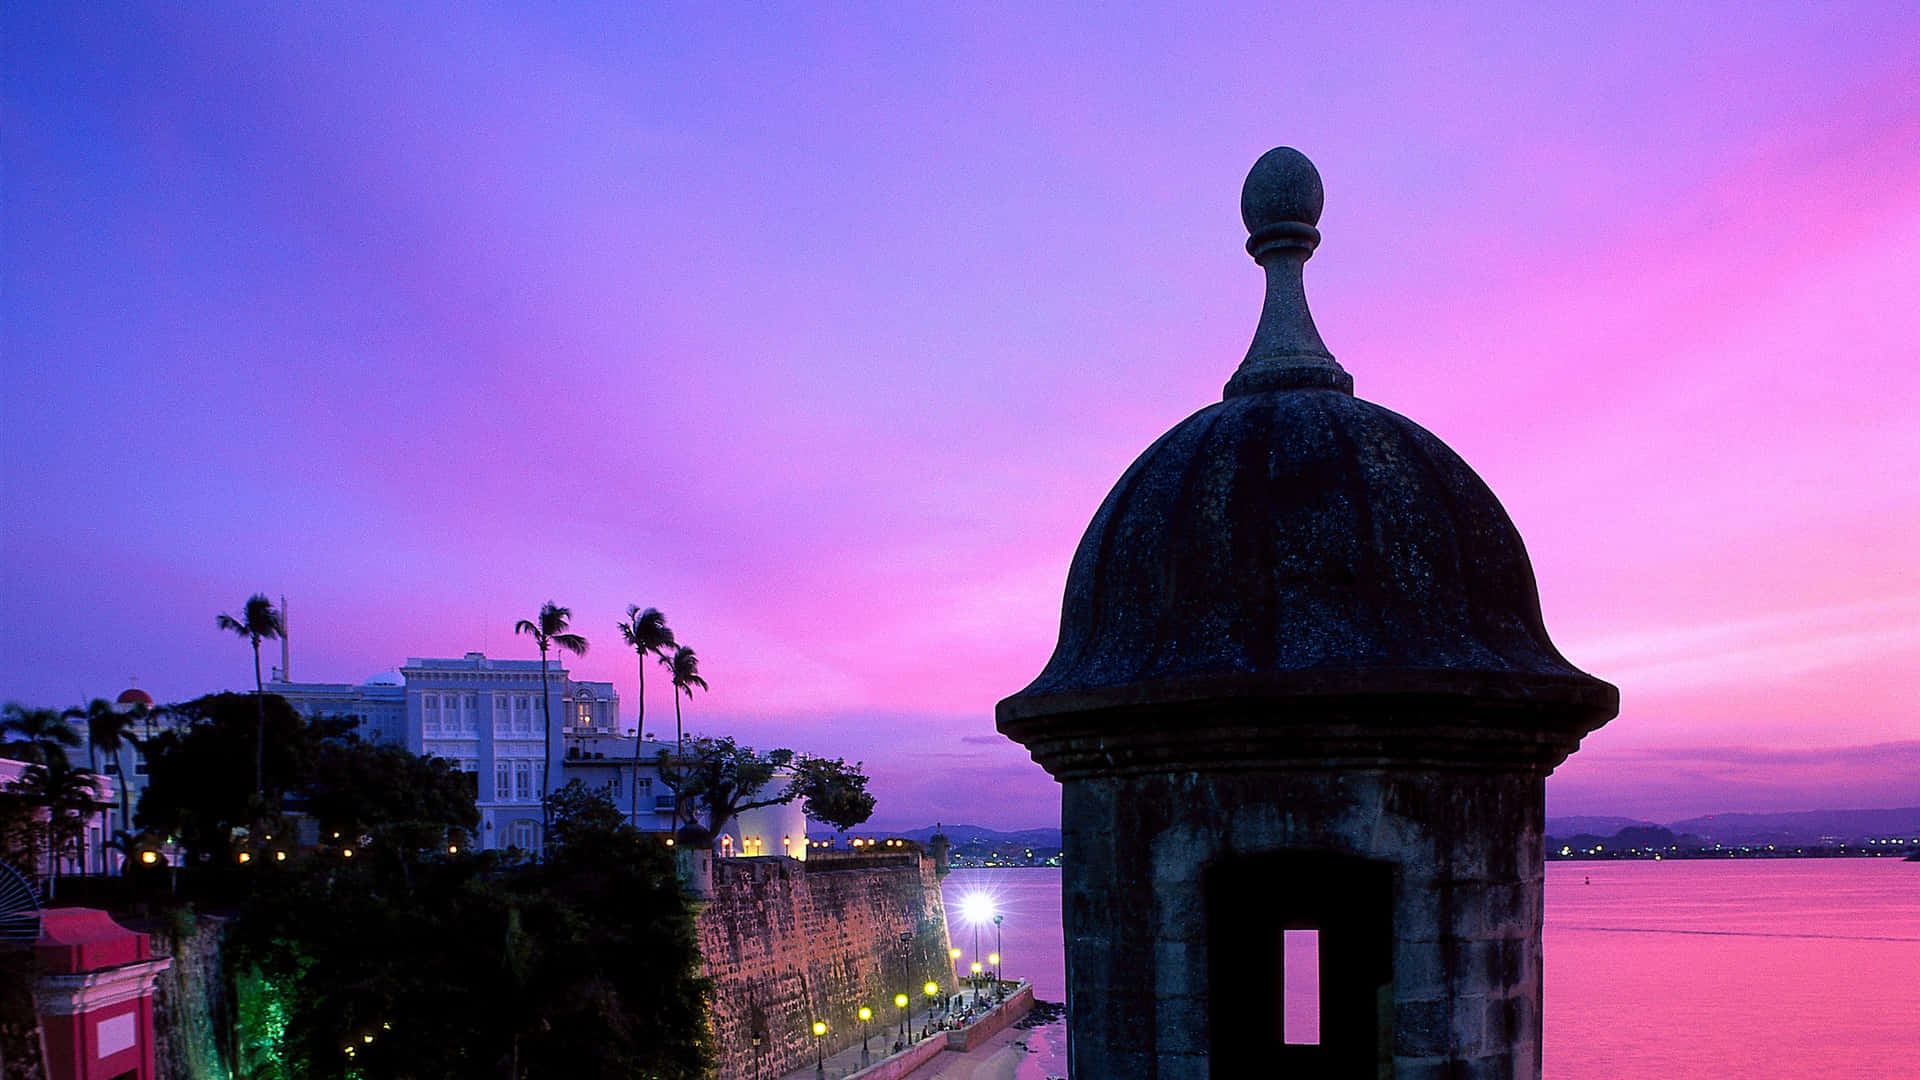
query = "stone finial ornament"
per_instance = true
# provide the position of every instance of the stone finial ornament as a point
(1281, 204)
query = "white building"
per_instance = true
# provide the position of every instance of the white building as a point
(485, 716)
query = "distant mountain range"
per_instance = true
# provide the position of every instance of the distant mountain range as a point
(1803, 827)
(966, 837)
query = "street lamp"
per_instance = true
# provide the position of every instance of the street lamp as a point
(866, 1031)
(976, 982)
(998, 917)
(933, 991)
(900, 1002)
(820, 1049)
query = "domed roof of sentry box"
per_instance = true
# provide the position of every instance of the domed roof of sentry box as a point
(1296, 540)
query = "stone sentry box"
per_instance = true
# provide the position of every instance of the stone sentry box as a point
(1302, 683)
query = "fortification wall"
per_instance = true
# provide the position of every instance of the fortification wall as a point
(192, 1012)
(787, 943)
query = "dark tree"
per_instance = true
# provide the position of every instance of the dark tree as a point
(198, 775)
(722, 779)
(65, 795)
(30, 734)
(108, 732)
(835, 793)
(550, 632)
(259, 621)
(583, 966)
(581, 815)
(404, 802)
(647, 633)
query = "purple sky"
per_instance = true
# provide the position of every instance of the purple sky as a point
(825, 330)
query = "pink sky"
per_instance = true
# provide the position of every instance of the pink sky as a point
(825, 331)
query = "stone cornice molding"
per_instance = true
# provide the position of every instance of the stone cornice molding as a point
(65, 995)
(1443, 723)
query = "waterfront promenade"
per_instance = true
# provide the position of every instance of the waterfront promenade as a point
(983, 1038)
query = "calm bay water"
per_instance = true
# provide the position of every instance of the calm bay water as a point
(1790, 969)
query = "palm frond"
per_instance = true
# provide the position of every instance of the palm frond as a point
(554, 618)
(526, 626)
(684, 668)
(573, 643)
(263, 618)
(259, 619)
(646, 630)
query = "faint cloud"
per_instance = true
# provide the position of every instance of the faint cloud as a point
(1764, 649)
(1671, 783)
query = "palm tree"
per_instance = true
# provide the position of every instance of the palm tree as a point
(108, 731)
(647, 632)
(41, 734)
(549, 632)
(684, 668)
(260, 622)
(62, 790)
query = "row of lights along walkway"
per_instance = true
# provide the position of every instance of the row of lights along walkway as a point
(997, 1004)
(946, 1017)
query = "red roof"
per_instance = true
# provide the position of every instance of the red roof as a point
(83, 939)
(135, 696)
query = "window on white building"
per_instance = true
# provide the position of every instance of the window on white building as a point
(521, 834)
(523, 780)
(613, 786)
(502, 784)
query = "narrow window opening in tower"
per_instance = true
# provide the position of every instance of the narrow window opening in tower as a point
(1300, 987)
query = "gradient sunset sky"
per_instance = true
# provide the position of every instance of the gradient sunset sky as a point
(825, 328)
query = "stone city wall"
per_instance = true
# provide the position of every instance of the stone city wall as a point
(787, 943)
(192, 1011)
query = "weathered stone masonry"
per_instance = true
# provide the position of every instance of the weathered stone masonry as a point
(787, 943)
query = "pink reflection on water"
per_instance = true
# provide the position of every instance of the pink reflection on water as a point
(1791, 969)
(1768, 970)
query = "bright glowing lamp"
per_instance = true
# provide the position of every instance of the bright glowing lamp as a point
(976, 908)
